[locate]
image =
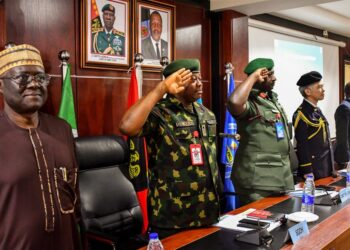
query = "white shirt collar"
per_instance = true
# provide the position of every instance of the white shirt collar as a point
(108, 32)
(159, 45)
(310, 103)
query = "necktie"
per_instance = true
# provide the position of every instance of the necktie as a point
(158, 53)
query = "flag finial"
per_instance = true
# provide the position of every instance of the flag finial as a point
(64, 56)
(228, 68)
(138, 59)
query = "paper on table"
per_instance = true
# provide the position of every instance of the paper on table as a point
(231, 221)
(342, 172)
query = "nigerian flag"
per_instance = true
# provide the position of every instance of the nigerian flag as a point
(67, 111)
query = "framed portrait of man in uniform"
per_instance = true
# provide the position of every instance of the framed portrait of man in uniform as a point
(154, 30)
(105, 34)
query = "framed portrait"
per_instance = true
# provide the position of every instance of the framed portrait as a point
(106, 33)
(155, 28)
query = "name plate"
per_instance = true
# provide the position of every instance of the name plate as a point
(344, 194)
(298, 231)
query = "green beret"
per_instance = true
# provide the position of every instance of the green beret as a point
(309, 78)
(191, 64)
(257, 64)
(108, 7)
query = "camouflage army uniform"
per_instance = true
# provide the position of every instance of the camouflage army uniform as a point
(115, 40)
(262, 163)
(313, 142)
(181, 195)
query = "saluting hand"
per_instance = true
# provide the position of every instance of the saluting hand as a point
(177, 82)
(261, 74)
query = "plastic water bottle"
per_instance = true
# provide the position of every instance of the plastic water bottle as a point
(348, 175)
(308, 202)
(154, 242)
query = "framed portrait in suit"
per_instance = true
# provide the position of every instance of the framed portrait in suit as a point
(106, 34)
(154, 32)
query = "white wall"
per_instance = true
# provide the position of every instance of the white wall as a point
(289, 68)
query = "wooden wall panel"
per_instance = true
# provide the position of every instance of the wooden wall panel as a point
(100, 102)
(193, 41)
(2, 25)
(46, 24)
(2, 37)
(100, 95)
(231, 38)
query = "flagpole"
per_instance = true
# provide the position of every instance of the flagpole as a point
(229, 144)
(228, 70)
(138, 59)
(67, 107)
(64, 56)
(138, 166)
(164, 61)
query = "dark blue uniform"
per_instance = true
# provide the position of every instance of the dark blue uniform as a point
(313, 143)
(342, 123)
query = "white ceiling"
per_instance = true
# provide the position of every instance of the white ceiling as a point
(330, 15)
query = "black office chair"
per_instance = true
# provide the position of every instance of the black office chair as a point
(110, 210)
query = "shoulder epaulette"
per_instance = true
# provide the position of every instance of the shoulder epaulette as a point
(319, 126)
(95, 30)
(117, 32)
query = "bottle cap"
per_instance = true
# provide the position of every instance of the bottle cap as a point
(153, 236)
(310, 176)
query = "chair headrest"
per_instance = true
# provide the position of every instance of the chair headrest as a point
(101, 151)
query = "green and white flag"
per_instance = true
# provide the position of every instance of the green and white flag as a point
(67, 111)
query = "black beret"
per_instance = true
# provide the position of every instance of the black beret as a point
(259, 63)
(191, 64)
(108, 7)
(309, 78)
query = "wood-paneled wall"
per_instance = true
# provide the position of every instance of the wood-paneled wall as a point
(214, 38)
(231, 37)
(100, 95)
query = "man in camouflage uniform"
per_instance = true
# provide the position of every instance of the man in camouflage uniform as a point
(262, 163)
(108, 40)
(312, 130)
(181, 137)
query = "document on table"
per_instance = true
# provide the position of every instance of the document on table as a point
(229, 221)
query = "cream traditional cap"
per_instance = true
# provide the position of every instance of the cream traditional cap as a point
(19, 55)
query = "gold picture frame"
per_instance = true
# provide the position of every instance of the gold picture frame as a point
(106, 34)
(154, 32)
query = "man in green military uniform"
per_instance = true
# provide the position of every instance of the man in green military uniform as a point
(184, 180)
(262, 164)
(311, 129)
(108, 40)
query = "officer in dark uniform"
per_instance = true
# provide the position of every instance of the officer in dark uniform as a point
(108, 40)
(342, 125)
(311, 129)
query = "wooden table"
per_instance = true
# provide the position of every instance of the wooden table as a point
(331, 233)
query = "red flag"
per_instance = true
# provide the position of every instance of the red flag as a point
(138, 157)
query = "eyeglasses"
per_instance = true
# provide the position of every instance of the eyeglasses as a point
(24, 79)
